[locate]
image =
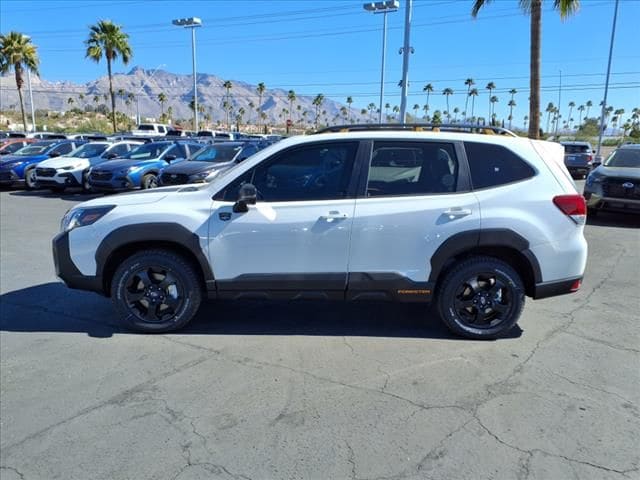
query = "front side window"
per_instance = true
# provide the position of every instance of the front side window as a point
(312, 172)
(89, 150)
(147, 151)
(492, 165)
(120, 149)
(412, 168)
(64, 148)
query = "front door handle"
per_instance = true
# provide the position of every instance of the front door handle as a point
(457, 212)
(333, 215)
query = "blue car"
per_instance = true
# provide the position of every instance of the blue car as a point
(141, 167)
(20, 167)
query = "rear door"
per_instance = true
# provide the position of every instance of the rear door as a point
(416, 195)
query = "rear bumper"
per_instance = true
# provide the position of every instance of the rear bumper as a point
(68, 272)
(556, 287)
(613, 204)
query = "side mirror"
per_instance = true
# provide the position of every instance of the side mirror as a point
(248, 196)
(54, 154)
(240, 159)
(170, 158)
(596, 164)
(111, 156)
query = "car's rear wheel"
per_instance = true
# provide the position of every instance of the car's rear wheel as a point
(30, 181)
(86, 186)
(156, 291)
(150, 180)
(481, 298)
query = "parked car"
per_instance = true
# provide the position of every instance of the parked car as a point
(151, 129)
(12, 145)
(73, 170)
(212, 136)
(578, 157)
(205, 164)
(615, 185)
(141, 167)
(20, 166)
(49, 136)
(369, 214)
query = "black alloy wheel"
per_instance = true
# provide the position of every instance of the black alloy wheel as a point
(154, 294)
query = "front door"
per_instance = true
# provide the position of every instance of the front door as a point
(295, 241)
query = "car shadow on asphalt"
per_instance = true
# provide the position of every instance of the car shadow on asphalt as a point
(612, 219)
(52, 307)
(74, 195)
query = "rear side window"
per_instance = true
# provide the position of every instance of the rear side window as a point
(577, 149)
(493, 165)
(405, 168)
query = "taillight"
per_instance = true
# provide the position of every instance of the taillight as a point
(575, 286)
(589, 158)
(573, 206)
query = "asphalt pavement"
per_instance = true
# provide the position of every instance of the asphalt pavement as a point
(273, 390)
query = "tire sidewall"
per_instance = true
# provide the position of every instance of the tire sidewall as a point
(27, 174)
(446, 300)
(146, 180)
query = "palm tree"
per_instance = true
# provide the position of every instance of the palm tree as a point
(371, 107)
(17, 53)
(425, 108)
(571, 105)
(317, 102)
(81, 100)
(493, 100)
(427, 88)
(241, 112)
(446, 92)
(228, 86)
(456, 110)
(490, 86)
(396, 110)
(387, 106)
(416, 107)
(589, 105)
(349, 102)
(534, 8)
(251, 106)
(162, 98)
(291, 96)
(107, 39)
(260, 89)
(526, 119)
(70, 101)
(469, 83)
(96, 99)
(618, 113)
(580, 109)
(473, 93)
(512, 103)
(550, 108)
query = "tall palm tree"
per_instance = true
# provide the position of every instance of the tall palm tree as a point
(490, 86)
(96, 99)
(371, 107)
(473, 93)
(107, 39)
(550, 108)
(580, 109)
(446, 92)
(416, 107)
(396, 110)
(260, 89)
(251, 106)
(387, 106)
(534, 9)
(228, 86)
(512, 103)
(317, 102)
(291, 96)
(526, 119)
(162, 98)
(589, 105)
(571, 105)
(469, 83)
(349, 102)
(427, 88)
(456, 110)
(493, 100)
(425, 108)
(18, 53)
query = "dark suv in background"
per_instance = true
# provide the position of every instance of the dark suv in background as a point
(578, 157)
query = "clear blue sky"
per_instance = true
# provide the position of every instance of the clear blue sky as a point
(333, 47)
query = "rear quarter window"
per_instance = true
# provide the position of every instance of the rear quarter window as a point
(492, 165)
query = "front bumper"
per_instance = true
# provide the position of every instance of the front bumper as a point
(612, 204)
(9, 177)
(66, 179)
(68, 272)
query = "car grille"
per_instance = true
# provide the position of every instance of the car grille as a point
(101, 176)
(614, 188)
(5, 176)
(174, 178)
(46, 172)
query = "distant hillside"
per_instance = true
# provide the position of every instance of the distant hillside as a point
(179, 91)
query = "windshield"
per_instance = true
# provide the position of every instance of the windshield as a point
(32, 150)
(89, 150)
(624, 157)
(218, 154)
(577, 149)
(147, 151)
(145, 127)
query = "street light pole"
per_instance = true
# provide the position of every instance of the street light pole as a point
(606, 85)
(384, 8)
(192, 23)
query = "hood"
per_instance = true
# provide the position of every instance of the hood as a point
(622, 172)
(60, 162)
(140, 197)
(191, 167)
(123, 163)
(13, 159)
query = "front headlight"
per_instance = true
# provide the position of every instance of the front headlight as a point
(81, 217)
(133, 169)
(591, 179)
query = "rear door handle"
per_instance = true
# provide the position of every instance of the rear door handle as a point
(333, 215)
(457, 212)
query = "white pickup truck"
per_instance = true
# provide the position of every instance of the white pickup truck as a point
(151, 130)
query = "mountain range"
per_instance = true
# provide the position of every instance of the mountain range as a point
(146, 85)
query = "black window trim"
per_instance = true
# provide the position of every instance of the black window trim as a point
(352, 186)
(536, 172)
(464, 182)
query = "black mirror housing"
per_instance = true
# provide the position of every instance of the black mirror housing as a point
(170, 158)
(111, 156)
(247, 196)
(54, 154)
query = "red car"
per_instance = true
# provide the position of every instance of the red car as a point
(12, 145)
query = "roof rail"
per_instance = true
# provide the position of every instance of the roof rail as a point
(419, 127)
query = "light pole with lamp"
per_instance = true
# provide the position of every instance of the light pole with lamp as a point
(141, 87)
(384, 8)
(192, 23)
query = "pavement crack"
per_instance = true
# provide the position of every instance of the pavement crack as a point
(603, 342)
(351, 461)
(12, 469)
(348, 344)
(592, 387)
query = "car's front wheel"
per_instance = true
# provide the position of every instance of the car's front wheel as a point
(481, 298)
(149, 181)
(156, 291)
(30, 181)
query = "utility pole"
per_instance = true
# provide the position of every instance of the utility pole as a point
(406, 50)
(606, 85)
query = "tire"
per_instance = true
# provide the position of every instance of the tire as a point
(30, 182)
(86, 186)
(150, 180)
(156, 291)
(481, 298)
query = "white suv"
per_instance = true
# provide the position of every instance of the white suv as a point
(72, 170)
(473, 222)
